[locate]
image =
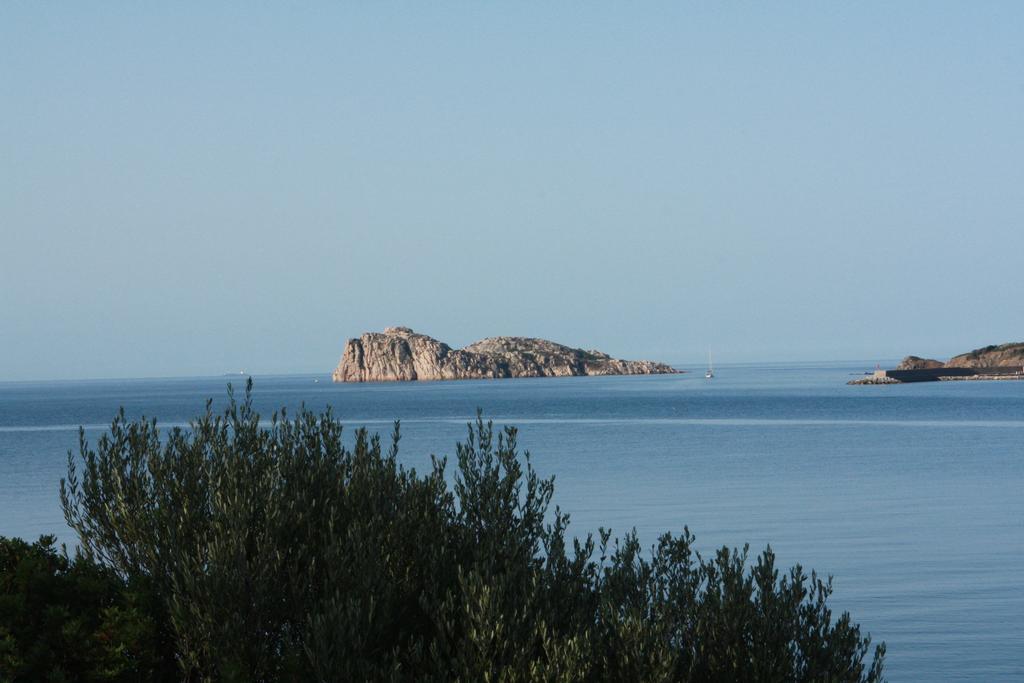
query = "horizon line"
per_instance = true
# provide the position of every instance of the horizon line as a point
(255, 375)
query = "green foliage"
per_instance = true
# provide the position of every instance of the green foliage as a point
(275, 552)
(73, 620)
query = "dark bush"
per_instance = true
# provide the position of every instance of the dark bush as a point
(74, 620)
(276, 553)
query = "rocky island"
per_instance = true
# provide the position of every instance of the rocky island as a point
(398, 354)
(1003, 361)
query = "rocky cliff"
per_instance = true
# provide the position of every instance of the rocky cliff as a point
(399, 354)
(918, 363)
(1003, 355)
(990, 357)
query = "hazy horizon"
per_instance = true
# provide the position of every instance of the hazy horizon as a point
(197, 189)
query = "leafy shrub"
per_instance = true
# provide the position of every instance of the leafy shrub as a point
(73, 620)
(277, 553)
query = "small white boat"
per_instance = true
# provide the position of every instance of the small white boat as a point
(711, 368)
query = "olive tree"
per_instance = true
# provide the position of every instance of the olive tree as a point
(276, 552)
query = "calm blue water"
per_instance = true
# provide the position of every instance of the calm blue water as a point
(912, 496)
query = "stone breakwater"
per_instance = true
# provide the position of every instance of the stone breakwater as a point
(969, 378)
(874, 379)
(398, 354)
(941, 374)
(996, 362)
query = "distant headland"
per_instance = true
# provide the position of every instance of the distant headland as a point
(1004, 361)
(398, 354)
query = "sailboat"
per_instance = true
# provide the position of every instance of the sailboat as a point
(711, 368)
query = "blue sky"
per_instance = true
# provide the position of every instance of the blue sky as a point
(197, 188)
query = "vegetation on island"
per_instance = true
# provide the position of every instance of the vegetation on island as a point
(991, 356)
(236, 550)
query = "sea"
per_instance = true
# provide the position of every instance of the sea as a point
(911, 496)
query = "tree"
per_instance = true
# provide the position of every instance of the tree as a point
(278, 553)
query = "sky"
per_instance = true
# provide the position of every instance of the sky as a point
(197, 188)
